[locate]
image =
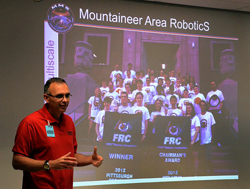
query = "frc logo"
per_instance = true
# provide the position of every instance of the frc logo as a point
(123, 127)
(60, 18)
(173, 130)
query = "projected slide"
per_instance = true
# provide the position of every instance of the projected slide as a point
(175, 63)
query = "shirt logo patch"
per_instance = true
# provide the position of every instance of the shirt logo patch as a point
(203, 123)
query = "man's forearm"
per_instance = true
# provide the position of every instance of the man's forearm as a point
(83, 160)
(27, 164)
(32, 165)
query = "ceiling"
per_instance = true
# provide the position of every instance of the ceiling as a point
(237, 5)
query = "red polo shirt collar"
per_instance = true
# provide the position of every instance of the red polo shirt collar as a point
(44, 112)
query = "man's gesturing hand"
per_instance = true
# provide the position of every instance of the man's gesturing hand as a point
(64, 162)
(96, 159)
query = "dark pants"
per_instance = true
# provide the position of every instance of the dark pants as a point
(217, 130)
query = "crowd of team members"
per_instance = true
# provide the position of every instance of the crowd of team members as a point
(164, 95)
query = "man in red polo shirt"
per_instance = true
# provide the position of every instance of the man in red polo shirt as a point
(45, 144)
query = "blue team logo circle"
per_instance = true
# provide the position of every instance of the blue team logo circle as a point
(124, 127)
(60, 18)
(173, 130)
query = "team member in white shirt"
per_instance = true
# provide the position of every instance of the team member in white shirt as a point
(124, 108)
(95, 103)
(148, 73)
(139, 89)
(197, 97)
(159, 111)
(174, 111)
(140, 108)
(113, 95)
(117, 80)
(115, 72)
(153, 81)
(120, 87)
(142, 77)
(160, 82)
(191, 90)
(129, 78)
(100, 119)
(178, 88)
(104, 88)
(184, 83)
(215, 99)
(184, 101)
(161, 76)
(160, 95)
(166, 86)
(128, 90)
(172, 77)
(192, 80)
(131, 71)
(195, 124)
(168, 96)
(207, 121)
(194, 144)
(150, 90)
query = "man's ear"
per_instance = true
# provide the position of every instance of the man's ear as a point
(46, 98)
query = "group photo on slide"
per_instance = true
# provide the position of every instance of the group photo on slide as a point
(166, 78)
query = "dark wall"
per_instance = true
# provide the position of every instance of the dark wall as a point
(21, 80)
